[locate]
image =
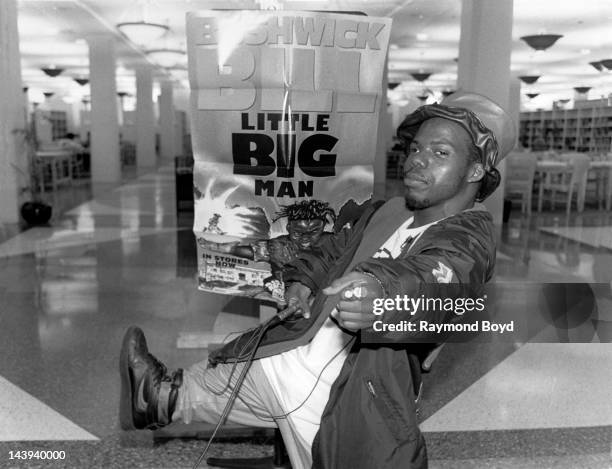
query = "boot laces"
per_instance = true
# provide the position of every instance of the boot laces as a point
(160, 367)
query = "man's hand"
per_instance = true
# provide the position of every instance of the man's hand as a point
(298, 293)
(357, 293)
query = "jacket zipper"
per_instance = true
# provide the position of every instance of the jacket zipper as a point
(371, 388)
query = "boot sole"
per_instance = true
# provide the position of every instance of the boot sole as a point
(126, 416)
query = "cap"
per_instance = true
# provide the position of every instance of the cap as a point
(492, 129)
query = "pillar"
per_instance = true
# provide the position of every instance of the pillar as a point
(145, 118)
(384, 138)
(12, 122)
(581, 96)
(105, 155)
(484, 63)
(514, 104)
(167, 120)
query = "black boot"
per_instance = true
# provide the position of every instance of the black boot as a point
(148, 394)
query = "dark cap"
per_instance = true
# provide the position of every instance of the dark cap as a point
(492, 129)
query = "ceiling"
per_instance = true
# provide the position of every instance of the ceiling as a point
(424, 38)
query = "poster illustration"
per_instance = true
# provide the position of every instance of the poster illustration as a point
(285, 110)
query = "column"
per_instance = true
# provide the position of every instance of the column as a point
(105, 156)
(145, 119)
(581, 95)
(384, 138)
(484, 63)
(166, 120)
(514, 104)
(12, 121)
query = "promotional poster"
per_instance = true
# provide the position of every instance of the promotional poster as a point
(285, 108)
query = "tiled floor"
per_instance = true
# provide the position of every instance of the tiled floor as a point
(68, 292)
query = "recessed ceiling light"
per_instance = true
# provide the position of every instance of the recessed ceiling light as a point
(585, 51)
(422, 37)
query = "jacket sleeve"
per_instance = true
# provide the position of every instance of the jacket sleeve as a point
(453, 263)
(311, 268)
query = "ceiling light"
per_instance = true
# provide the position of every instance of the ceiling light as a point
(597, 66)
(423, 97)
(52, 71)
(532, 95)
(446, 93)
(392, 86)
(420, 76)
(81, 81)
(422, 37)
(607, 63)
(167, 58)
(541, 41)
(529, 79)
(582, 89)
(142, 32)
(48, 94)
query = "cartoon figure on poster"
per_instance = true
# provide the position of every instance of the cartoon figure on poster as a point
(285, 112)
(306, 221)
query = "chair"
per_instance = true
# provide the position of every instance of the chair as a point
(570, 180)
(602, 179)
(278, 460)
(395, 164)
(199, 430)
(608, 184)
(520, 173)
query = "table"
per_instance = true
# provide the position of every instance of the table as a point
(549, 167)
(59, 163)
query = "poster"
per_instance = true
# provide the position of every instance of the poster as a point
(285, 110)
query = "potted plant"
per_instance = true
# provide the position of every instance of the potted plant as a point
(34, 210)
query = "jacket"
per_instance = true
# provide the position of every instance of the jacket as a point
(370, 418)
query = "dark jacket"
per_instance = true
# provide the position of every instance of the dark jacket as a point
(370, 418)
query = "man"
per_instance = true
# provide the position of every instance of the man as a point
(339, 402)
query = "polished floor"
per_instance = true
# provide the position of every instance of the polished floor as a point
(122, 255)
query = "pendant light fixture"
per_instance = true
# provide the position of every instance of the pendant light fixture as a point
(541, 41)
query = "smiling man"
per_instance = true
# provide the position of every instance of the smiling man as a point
(339, 402)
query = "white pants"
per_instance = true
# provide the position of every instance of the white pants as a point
(288, 390)
(204, 393)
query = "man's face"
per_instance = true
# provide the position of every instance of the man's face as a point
(305, 233)
(437, 164)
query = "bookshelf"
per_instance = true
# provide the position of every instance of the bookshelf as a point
(59, 124)
(586, 128)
